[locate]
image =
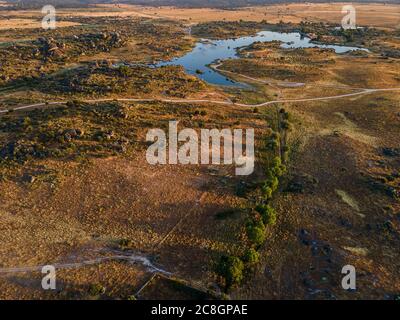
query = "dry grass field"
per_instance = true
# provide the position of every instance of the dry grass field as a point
(22, 23)
(373, 15)
(377, 15)
(78, 211)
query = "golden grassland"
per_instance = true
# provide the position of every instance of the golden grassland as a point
(98, 203)
(92, 200)
(373, 15)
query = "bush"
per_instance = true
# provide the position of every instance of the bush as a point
(277, 169)
(271, 182)
(267, 191)
(268, 214)
(255, 231)
(125, 244)
(124, 71)
(26, 122)
(275, 135)
(251, 256)
(285, 124)
(285, 114)
(276, 162)
(273, 141)
(272, 144)
(96, 289)
(231, 269)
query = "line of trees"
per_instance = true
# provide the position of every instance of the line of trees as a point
(263, 215)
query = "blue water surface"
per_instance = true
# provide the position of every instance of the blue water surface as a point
(209, 51)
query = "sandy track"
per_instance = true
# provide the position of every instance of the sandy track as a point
(266, 103)
(117, 256)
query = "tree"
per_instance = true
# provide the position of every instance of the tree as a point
(231, 269)
(255, 231)
(267, 192)
(271, 181)
(273, 141)
(268, 214)
(124, 70)
(277, 169)
(251, 256)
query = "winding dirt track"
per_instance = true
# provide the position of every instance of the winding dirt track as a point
(266, 103)
(117, 256)
(221, 102)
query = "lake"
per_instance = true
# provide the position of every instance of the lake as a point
(208, 51)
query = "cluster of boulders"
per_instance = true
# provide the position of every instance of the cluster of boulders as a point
(79, 44)
(377, 185)
(71, 134)
(391, 53)
(19, 150)
(121, 145)
(50, 48)
(123, 113)
(105, 135)
(391, 152)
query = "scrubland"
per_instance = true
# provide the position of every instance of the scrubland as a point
(78, 192)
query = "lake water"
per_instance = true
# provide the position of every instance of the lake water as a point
(209, 51)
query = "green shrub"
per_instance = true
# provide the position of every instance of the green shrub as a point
(276, 162)
(267, 192)
(285, 114)
(124, 70)
(268, 214)
(271, 182)
(277, 168)
(255, 231)
(272, 144)
(96, 289)
(27, 122)
(125, 244)
(231, 269)
(285, 124)
(273, 141)
(251, 256)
